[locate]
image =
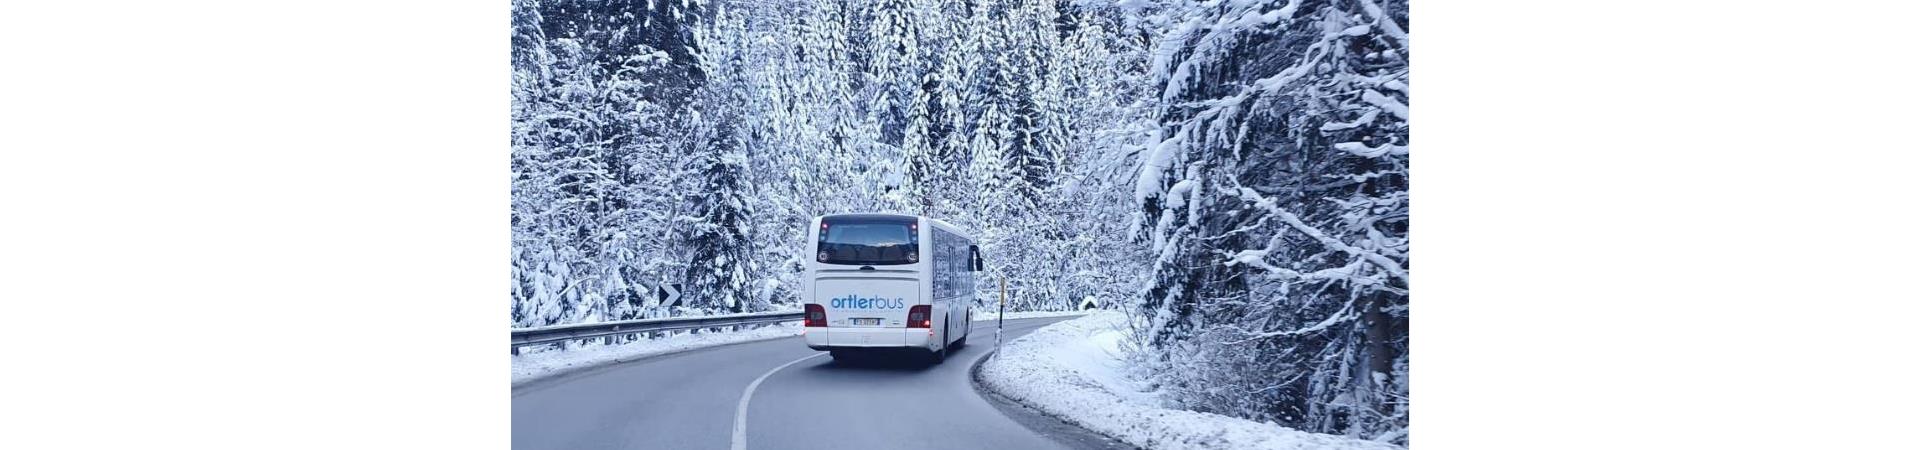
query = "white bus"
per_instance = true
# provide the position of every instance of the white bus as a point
(889, 281)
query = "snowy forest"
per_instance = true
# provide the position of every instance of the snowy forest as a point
(1232, 173)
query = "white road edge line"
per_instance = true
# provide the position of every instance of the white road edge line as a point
(740, 413)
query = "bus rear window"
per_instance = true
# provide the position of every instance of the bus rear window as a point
(869, 241)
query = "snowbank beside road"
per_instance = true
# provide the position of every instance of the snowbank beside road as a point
(1074, 370)
(531, 366)
(980, 314)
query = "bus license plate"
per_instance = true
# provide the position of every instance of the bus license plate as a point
(872, 321)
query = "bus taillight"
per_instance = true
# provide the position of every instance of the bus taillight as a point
(816, 315)
(920, 316)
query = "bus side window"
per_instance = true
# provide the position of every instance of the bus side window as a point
(944, 284)
(942, 266)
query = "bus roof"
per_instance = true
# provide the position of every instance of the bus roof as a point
(858, 216)
(896, 216)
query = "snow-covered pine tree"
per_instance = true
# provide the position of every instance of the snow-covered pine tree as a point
(893, 73)
(1015, 149)
(1029, 151)
(949, 89)
(566, 184)
(1278, 199)
(721, 252)
(778, 144)
(592, 171)
(1101, 132)
(921, 161)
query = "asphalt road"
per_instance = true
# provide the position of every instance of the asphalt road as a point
(692, 400)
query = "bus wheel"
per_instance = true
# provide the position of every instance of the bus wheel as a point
(962, 342)
(940, 355)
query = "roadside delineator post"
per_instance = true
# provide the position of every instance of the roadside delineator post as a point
(1000, 323)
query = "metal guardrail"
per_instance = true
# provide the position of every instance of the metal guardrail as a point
(556, 333)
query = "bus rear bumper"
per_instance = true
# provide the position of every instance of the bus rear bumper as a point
(829, 338)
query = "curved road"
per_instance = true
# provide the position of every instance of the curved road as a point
(801, 399)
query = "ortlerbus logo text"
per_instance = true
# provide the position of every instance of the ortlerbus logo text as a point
(858, 302)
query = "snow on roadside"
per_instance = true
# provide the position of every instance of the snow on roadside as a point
(531, 366)
(1074, 370)
(980, 314)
